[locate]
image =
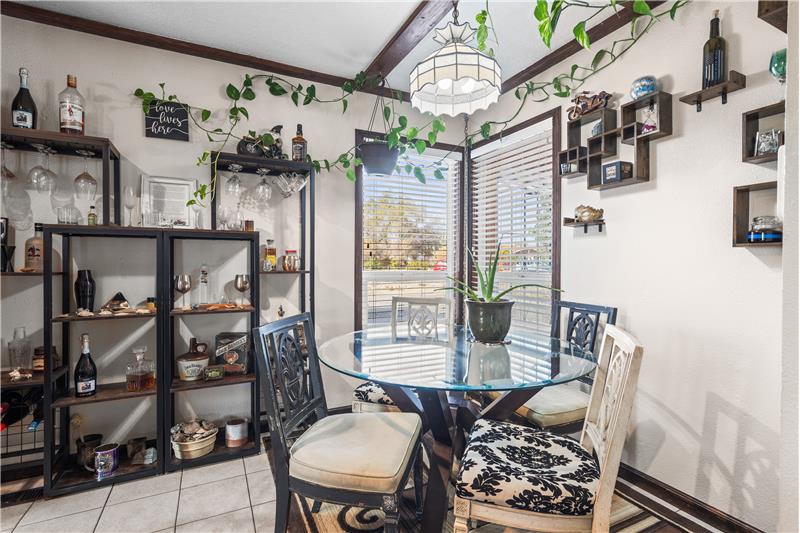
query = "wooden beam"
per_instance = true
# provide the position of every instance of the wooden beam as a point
(69, 22)
(416, 27)
(597, 32)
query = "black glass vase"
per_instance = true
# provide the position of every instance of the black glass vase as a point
(84, 290)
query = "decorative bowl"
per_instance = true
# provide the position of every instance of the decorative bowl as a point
(643, 86)
(587, 213)
(196, 448)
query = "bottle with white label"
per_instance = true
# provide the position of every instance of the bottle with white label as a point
(203, 288)
(85, 371)
(23, 108)
(71, 110)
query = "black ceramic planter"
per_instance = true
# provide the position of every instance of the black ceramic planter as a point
(489, 321)
(377, 158)
(84, 290)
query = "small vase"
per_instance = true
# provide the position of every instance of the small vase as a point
(84, 290)
(489, 322)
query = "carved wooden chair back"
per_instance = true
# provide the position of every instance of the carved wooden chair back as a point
(583, 321)
(422, 317)
(607, 418)
(287, 355)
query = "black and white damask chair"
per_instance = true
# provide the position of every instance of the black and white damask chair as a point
(362, 460)
(521, 477)
(562, 408)
(421, 322)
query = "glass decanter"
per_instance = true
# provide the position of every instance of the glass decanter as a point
(140, 374)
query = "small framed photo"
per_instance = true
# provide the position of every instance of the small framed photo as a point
(768, 142)
(164, 201)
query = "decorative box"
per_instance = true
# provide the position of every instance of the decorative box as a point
(233, 351)
(617, 171)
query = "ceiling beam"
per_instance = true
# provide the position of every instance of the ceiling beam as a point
(416, 27)
(69, 22)
(596, 32)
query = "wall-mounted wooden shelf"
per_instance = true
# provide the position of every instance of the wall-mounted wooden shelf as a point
(750, 121)
(741, 214)
(774, 12)
(572, 223)
(736, 81)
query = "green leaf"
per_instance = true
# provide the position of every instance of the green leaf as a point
(579, 31)
(267, 139)
(486, 130)
(295, 98)
(205, 114)
(432, 137)
(437, 125)
(248, 94)
(252, 134)
(515, 287)
(481, 35)
(191, 202)
(641, 7)
(675, 7)
(276, 89)
(419, 174)
(351, 175)
(409, 168)
(403, 121)
(562, 94)
(546, 32)
(411, 134)
(540, 12)
(357, 161)
(480, 18)
(234, 111)
(387, 112)
(317, 166)
(438, 174)
(232, 92)
(248, 81)
(420, 146)
(345, 164)
(327, 165)
(344, 105)
(392, 139)
(572, 71)
(138, 93)
(311, 93)
(557, 83)
(348, 87)
(598, 57)
(518, 93)
(244, 112)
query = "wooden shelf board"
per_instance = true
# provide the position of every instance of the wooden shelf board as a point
(572, 223)
(75, 318)
(26, 274)
(233, 379)
(756, 244)
(250, 163)
(219, 453)
(36, 380)
(573, 174)
(63, 143)
(282, 272)
(105, 393)
(736, 81)
(758, 159)
(244, 309)
(78, 478)
(615, 184)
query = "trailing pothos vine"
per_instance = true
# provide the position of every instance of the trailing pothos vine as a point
(399, 133)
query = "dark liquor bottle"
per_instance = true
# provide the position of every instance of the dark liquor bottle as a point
(715, 56)
(23, 108)
(299, 145)
(85, 371)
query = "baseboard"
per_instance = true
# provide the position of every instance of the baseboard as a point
(686, 503)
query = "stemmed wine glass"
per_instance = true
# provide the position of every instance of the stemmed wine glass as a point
(8, 177)
(224, 217)
(241, 283)
(36, 172)
(183, 284)
(47, 181)
(263, 190)
(233, 185)
(85, 185)
(129, 200)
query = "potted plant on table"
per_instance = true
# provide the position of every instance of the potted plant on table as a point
(489, 316)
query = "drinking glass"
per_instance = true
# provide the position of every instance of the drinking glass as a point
(36, 172)
(68, 215)
(20, 350)
(47, 181)
(224, 217)
(183, 284)
(8, 178)
(233, 185)
(129, 200)
(196, 209)
(241, 283)
(263, 190)
(85, 185)
(237, 219)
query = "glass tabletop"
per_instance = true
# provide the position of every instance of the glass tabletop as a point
(456, 363)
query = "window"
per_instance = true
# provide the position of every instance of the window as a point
(408, 238)
(512, 203)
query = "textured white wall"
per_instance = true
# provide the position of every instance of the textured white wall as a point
(108, 71)
(707, 412)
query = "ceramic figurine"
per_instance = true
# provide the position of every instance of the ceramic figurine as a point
(586, 102)
(275, 151)
(644, 85)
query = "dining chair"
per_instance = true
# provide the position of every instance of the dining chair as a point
(562, 408)
(521, 477)
(421, 318)
(361, 460)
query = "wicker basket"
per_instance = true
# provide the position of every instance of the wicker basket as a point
(196, 448)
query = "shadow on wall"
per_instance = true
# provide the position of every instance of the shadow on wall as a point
(738, 457)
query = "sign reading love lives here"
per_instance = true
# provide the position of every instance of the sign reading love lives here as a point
(167, 120)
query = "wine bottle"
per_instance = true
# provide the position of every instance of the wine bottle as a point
(85, 371)
(23, 108)
(714, 56)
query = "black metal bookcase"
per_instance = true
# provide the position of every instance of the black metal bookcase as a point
(61, 475)
(250, 164)
(169, 385)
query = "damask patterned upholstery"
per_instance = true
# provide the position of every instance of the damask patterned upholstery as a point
(528, 469)
(371, 392)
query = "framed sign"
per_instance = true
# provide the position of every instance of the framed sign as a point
(167, 120)
(164, 201)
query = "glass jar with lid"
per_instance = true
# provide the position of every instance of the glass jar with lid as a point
(290, 262)
(140, 374)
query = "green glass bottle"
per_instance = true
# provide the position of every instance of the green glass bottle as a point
(715, 56)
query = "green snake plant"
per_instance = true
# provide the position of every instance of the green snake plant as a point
(486, 279)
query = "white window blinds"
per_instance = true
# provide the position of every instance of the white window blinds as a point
(408, 238)
(512, 202)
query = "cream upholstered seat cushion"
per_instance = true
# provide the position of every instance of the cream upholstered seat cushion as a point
(365, 452)
(557, 405)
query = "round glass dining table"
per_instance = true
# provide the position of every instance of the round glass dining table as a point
(420, 374)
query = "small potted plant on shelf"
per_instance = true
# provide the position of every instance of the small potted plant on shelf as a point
(489, 315)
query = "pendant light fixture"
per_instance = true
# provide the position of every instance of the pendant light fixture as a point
(457, 78)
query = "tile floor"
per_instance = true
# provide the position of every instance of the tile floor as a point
(235, 496)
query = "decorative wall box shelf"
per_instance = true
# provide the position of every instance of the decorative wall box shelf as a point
(736, 81)
(741, 214)
(774, 12)
(572, 223)
(750, 128)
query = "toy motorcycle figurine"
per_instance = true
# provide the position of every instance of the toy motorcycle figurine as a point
(586, 102)
(275, 151)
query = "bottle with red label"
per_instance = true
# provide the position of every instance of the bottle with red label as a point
(71, 111)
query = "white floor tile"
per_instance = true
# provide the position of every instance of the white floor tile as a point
(262, 488)
(256, 463)
(211, 499)
(80, 522)
(142, 488)
(206, 474)
(264, 516)
(9, 516)
(240, 521)
(140, 516)
(74, 503)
